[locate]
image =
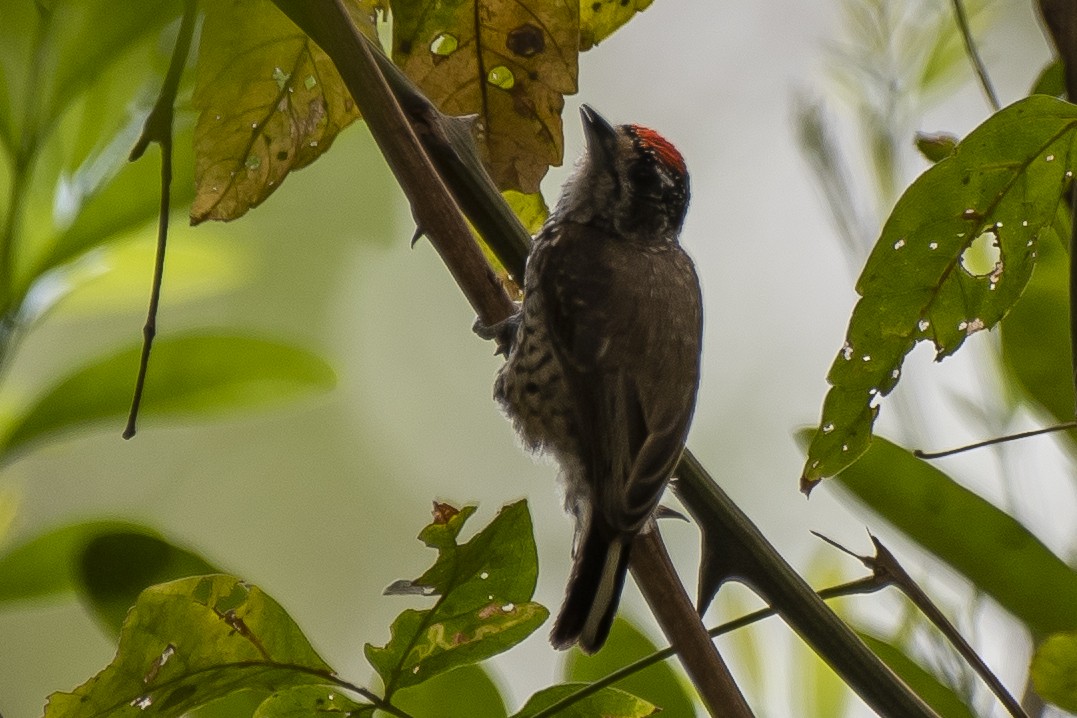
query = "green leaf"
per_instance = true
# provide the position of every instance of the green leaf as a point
(87, 35)
(463, 692)
(307, 702)
(935, 147)
(192, 641)
(126, 198)
(236, 705)
(79, 40)
(194, 374)
(608, 703)
(531, 209)
(1054, 670)
(513, 69)
(659, 684)
(1051, 80)
(1035, 338)
(116, 566)
(981, 542)
(108, 563)
(270, 101)
(1001, 187)
(484, 607)
(942, 699)
(601, 18)
(47, 565)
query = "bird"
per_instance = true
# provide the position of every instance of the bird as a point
(603, 356)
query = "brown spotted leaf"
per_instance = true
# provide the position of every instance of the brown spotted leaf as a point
(509, 61)
(269, 100)
(601, 18)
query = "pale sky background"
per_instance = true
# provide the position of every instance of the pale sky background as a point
(319, 503)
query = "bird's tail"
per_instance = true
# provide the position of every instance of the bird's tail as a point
(594, 589)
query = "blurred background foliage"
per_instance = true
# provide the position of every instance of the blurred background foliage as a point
(316, 296)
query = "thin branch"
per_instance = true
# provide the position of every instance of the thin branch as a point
(868, 584)
(919, 453)
(158, 128)
(886, 565)
(974, 55)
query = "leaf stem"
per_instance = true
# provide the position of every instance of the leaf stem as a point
(974, 55)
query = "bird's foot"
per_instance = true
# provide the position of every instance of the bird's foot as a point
(503, 332)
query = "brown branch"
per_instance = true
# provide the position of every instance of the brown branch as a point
(439, 217)
(661, 586)
(868, 584)
(328, 25)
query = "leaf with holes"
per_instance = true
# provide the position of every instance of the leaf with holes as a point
(995, 194)
(601, 18)
(191, 641)
(508, 62)
(484, 606)
(269, 100)
(1035, 338)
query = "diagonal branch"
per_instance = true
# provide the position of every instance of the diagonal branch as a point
(758, 562)
(438, 216)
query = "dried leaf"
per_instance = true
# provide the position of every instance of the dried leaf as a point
(503, 60)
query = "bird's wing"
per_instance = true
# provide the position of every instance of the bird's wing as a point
(633, 398)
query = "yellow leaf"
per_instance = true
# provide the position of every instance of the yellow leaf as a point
(507, 61)
(601, 18)
(269, 100)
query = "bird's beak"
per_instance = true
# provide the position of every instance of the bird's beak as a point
(601, 137)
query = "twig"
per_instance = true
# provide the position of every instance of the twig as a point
(920, 454)
(974, 55)
(158, 128)
(885, 564)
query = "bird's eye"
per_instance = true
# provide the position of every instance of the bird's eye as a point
(645, 179)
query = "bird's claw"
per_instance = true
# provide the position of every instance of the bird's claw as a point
(503, 332)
